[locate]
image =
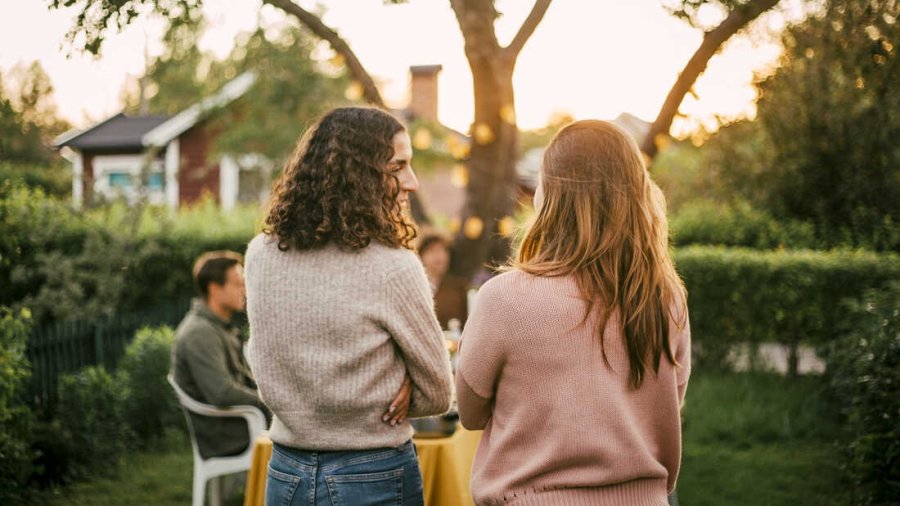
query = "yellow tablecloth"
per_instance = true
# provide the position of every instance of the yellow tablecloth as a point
(446, 464)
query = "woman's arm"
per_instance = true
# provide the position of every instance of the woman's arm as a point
(409, 318)
(399, 408)
(481, 356)
(474, 410)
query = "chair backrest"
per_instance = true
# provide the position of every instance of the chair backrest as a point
(196, 406)
(184, 400)
(254, 417)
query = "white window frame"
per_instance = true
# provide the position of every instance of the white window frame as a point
(129, 164)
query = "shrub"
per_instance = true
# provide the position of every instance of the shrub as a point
(150, 405)
(90, 413)
(32, 224)
(864, 372)
(52, 178)
(737, 225)
(745, 296)
(64, 264)
(16, 455)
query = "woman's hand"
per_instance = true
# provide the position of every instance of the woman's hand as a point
(399, 408)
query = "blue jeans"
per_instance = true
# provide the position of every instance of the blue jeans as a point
(344, 478)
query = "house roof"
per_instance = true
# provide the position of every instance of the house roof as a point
(138, 132)
(118, 132)
(183, 121)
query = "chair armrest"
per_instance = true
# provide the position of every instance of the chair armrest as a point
(256, 421)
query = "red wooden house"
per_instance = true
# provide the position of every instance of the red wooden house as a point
(168, 159)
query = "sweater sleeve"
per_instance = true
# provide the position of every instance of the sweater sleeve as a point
(208, 362)
(682, 353)
(481, 359)
(409, 318)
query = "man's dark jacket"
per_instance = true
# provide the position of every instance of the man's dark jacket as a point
(208, 364)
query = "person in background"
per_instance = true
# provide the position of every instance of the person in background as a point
(450, 293)
(344, 342)
(434, 251)
(207, 357)
(575, 361)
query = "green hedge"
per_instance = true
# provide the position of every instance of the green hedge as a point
(99, 416)
(91, 416)
(864, 375)
(789, 297)
(738, 224)
(65, 264)
(150, 405)
(16, 455)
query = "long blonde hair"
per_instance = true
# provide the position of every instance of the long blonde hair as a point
(603, 221)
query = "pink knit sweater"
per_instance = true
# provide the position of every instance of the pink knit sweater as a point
(560, 427)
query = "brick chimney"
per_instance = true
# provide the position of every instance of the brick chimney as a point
(423, 101)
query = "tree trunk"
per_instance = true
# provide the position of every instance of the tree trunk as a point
(793, 359)
(712, 42)
(491, 193)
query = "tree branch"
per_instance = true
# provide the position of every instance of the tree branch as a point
(476, 21)
(527, 28)
(324, 32)
(712, 42)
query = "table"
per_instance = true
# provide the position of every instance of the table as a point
(445, 463)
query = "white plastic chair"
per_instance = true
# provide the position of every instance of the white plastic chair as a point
(214, 467)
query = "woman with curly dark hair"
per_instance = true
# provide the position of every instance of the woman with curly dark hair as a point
(341, 316)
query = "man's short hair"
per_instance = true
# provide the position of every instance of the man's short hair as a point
(211, 267)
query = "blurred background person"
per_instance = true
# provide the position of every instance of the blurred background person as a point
(450, 293)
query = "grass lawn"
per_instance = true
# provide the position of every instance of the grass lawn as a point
(759, 439)
(161, 477)
(749, 439)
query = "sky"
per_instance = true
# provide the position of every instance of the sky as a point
(588, 58)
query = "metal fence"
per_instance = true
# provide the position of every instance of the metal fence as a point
(66, 347)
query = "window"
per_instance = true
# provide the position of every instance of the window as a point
(155, 181)
(119, 180)
(123, 180)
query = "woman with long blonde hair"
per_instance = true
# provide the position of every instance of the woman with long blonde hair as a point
(575, 361)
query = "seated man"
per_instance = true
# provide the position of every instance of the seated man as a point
(207, 358)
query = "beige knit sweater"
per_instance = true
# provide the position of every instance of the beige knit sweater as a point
(560, 427)
(332, 334)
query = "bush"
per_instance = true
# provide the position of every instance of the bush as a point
(33, 224)
(745, 296)
(16, 455)
(65, 264)
(150, 405)
(737, 225)
(91, 422)
(864, 372)
(54, 178)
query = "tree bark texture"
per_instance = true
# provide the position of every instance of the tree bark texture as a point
(491, 192)
(712, 42)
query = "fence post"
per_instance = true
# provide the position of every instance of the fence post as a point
(98, 344)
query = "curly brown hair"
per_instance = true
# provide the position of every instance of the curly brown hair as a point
(336, 187)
